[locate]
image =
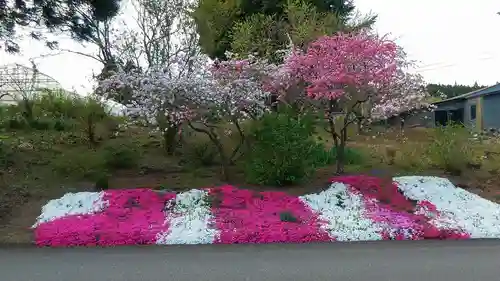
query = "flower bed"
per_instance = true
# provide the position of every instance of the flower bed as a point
(353, 208)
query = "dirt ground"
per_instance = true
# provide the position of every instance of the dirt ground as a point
(32, 181)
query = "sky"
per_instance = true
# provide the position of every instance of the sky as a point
(453, 41)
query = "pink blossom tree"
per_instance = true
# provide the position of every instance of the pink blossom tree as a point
(344, 73)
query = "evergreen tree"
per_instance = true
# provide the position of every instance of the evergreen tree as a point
(224, 25)
(77, 18)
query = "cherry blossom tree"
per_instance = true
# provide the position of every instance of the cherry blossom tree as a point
(156, 99)
(236, 93)
(405, 95)
(207, 102)
(344, 72)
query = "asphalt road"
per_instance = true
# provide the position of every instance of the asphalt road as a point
(379, 261)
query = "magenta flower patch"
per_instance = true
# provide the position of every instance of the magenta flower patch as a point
(244, 216)
(353, 208)
(132, 217)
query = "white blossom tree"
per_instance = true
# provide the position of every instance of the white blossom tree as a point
(225, 94)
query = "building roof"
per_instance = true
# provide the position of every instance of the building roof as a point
(495, 89)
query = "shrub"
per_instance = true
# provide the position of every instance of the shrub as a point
(58, 105)
(89, 116)
(324, 156)
(450, 149)
(199, 154)
(6, 155)
(410, 157)
(16, 123)
(11, 118)
(282, 149)
(79, 164)
(42, 124)
(101, 182)
(48, 111)
(351, 156)
(63, 124)
(121, 155)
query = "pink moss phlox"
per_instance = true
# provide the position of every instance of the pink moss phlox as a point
(245, 216)
(134, 216)
(387, 204)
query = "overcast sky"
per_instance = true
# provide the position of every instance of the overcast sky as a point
(454, 41)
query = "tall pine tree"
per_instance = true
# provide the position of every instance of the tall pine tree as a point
(77, 18)
(221, 24)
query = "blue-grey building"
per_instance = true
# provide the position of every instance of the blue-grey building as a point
(479, 109)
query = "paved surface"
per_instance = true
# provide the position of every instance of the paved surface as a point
(380, 261)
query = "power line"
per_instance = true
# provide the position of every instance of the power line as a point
(424, 69)
(436, 68)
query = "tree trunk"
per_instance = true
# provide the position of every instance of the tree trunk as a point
(331, 123)
(363, 126)
(223, 158)
(360, 126)
(169, 141)
(242, 142)
(28, 110)
(341, 152)
(91, 132)
(220, 149)
(401, 124)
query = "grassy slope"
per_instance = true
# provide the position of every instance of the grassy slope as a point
(47, 164)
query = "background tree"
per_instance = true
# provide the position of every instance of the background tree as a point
(405, 95)
(161, 35)
(227, 25)
(74, 17)
(449, 91)
(264, 35)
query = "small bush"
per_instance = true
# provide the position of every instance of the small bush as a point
(89, 115)
(200, 154)
(58, 104)
(282, 150)
(15, 122)
(410, 158)
(324, 156)
(85, 164)
(42, 124)
(450, 148)
(6, 155)
(61, 125)
(102, 182)
(351, 156)
(121, 155)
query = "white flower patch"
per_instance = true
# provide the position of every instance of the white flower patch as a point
(80, 203)
(189, 220)
(344, 214)
(459, 208)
